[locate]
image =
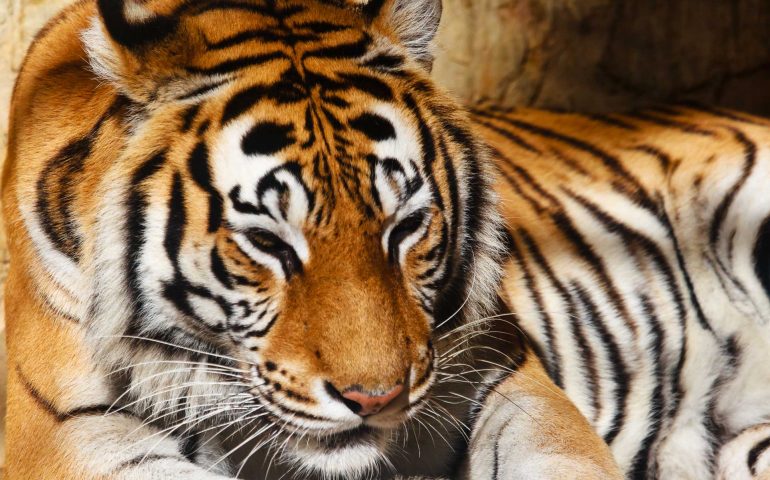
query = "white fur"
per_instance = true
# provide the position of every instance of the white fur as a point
(104, 60)
(416, 22)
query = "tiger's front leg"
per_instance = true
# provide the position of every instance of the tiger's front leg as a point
(528, 429)
(45, 442)
(61, 423)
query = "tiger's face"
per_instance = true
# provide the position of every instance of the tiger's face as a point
(304, 206)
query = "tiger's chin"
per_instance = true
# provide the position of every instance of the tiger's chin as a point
(353, 454)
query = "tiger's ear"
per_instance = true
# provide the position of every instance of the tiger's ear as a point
(134, 44)
(415, 23)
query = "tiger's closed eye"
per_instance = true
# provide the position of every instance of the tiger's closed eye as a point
(271, 244)
(402, 231)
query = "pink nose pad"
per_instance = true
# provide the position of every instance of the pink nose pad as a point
(366, 405)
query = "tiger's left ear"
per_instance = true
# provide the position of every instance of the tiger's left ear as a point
(415, 23)
(136, 45)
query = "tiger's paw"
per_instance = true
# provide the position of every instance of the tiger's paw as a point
(747, 456)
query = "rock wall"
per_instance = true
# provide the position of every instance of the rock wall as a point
(603, 55)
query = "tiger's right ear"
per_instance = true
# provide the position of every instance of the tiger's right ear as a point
(414, 22)
(130, 43)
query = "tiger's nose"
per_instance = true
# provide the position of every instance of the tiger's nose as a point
(365, 404)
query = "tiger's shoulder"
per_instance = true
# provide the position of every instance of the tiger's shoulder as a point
(56, 98)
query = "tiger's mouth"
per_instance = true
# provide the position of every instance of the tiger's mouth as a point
(348, 438)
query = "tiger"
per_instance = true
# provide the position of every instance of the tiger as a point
(254, 239)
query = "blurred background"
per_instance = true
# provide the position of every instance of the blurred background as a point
(578, 55)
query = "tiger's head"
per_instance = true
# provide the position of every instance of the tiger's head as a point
(299, 209)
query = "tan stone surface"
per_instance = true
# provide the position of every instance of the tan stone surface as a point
(600, 55)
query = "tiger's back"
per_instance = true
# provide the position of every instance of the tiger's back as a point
(639, 266)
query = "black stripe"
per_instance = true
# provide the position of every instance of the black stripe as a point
(270, 182)
(199, 8)
(669, 124)
(243, 101)
(135, 230)
(476, 203)
(63, 416)
(761, 255)
(400, 232)
(373, 8)
(267, 138)
(755, 453)
(656, 255)
(587, 358)
(177, 218)
(514, 362)
(563, 222)
(611, 121)
(343, 51)
(200, 170)
(143, 459)
(188, 117)
(722, 113)
(750, 160)
(271, 244)
(264, 35)
(552, 356)
(189, 446)
(369, 84)
(41, 401)
(634, 189)
(517, 188)
(175, 338)
(642, 463)
(229, 66)
(621, 377)
(320, 27)
(454, 203)
(375, 127)
(450, 296)
(664, 160)
(701, 316)
(516, 139)
(219, 269)
(288, 90)
(201, 90)
(56, 188)
(385, 62)
(428, 144)
(263, 332)
(571, 312)
(529, 180)
(632, 237)
(179, 290)
(134, 35)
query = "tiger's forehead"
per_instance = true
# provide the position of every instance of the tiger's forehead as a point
(274, 168)
(307, 103)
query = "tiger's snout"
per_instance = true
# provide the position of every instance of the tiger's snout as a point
(368, 403)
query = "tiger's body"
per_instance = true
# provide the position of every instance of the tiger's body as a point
(256, 226)
(639, 265)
